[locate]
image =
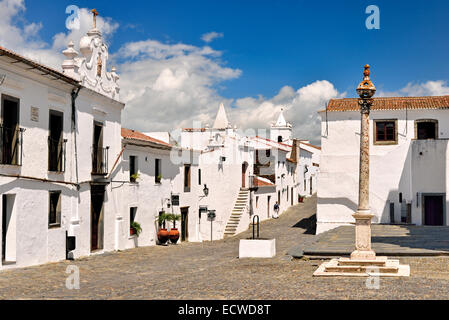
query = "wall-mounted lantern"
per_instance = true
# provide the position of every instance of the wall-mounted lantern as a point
(206, 190)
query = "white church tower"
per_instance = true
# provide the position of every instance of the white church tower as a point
(281, 131)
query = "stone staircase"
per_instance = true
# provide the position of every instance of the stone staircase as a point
(239, 209)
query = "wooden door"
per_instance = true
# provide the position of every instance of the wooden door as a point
(184, 224)
(269, 206)
(433, 210)
(4, 226)
(97, 208)
(244, 168)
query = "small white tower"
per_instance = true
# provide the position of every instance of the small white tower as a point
(281, 131)
(221, 122)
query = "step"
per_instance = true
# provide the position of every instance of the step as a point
(378, 262)
(361, 269)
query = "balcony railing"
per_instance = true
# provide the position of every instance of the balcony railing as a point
(56, 155)
(100, 160)
(11, 146)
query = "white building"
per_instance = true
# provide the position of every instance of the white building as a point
(70, 174)
(244, 172)
(60, 133)
(409, 157)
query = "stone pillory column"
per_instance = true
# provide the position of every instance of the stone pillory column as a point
(363, 216)
(363, 261)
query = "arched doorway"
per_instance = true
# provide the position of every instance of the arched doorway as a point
(244, 169)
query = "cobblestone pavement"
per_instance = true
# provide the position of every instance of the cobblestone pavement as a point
(213, 271)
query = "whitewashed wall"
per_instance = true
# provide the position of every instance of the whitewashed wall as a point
(394, 168)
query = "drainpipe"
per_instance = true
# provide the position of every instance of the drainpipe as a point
(74, 94)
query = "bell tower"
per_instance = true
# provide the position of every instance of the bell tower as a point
(281, 131)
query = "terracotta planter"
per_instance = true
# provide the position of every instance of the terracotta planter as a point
(163, 236)
(132, 231)
(301, 200)
(174, 235)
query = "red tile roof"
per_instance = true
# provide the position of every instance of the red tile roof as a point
(136, 135)
(393, 103)
(310, 145)
(262, 183)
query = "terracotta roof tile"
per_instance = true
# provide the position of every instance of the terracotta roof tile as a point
(136, 135)
(393, 103)
(260, 182)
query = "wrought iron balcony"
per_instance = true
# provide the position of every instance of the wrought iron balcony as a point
(11, 145)
(100, 158)
(56, 155)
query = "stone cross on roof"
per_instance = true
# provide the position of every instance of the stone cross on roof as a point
(95, 13)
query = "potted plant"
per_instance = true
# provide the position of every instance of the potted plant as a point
(162, 234)
(135, 177)
(301, 198)
(159, 179)
(174, 232)
(135, 229)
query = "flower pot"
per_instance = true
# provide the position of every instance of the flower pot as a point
(174, 235)
(132, 231)
(163, 236)
(301, 200)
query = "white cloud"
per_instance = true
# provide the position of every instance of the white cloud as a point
(429, 88)
(301, 107)
(169, 86)
(211, 36)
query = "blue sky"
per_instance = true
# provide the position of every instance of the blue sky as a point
(289, 42)
(274, 44)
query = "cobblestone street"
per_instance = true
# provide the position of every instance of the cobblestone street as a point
(213, 271)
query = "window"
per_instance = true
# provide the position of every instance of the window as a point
(133, 172)
(10, 133)
(392, 212)
(426, 129)
(257, 202)
(99, 153)
(199, 176)
(56, 144)
(187, 178)
(132, 217)
(268, 153)
(385, 132)
(54, 211)
(280, 139)
(158, 171)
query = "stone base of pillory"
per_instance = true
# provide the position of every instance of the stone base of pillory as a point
(377, 267)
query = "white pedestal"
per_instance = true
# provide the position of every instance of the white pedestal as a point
(257, 248)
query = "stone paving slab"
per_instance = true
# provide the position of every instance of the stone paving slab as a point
(387, 240)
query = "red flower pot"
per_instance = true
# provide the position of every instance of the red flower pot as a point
(132, 231)
(174, 235)
(163, 236)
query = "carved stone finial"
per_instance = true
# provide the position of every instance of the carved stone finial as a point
(367, 72)
(95, 14)
(366, 88)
